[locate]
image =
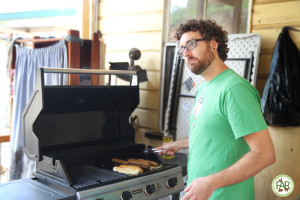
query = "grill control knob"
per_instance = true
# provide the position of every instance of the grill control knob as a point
(126, 195)
(172, 182)
(150, 189)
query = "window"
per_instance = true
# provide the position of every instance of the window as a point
(232, 15)
(39, 18)
(5, 92)
(4, 112)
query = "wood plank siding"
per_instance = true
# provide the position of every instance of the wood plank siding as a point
(268, 18)
(136, 24)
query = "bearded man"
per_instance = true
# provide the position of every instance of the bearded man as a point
(229, 141)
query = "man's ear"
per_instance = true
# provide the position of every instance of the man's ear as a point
(214, 44)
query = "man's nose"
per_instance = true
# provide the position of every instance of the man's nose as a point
(187, 53)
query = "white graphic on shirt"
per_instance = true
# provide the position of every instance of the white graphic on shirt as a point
(197, 107)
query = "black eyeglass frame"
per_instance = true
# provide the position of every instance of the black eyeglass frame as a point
(180, 54)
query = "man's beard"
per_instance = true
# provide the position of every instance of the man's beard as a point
(200, 66)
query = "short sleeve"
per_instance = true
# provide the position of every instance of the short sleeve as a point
(242, 110)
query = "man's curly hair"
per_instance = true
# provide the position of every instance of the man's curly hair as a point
(209, 30)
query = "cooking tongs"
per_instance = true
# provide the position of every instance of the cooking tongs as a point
(153, 150)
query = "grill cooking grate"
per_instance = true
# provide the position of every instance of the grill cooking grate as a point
(87, 175)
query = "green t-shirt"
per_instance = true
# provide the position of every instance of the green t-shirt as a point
(226, 109)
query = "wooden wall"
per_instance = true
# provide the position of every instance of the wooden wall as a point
(136, 24)
(268, 18)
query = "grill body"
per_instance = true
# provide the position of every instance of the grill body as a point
(73, 132)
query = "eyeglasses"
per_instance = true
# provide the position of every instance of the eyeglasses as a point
(190, 45)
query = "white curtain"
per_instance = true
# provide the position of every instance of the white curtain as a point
(27, 63)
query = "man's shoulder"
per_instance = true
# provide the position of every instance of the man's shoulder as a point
(234, 80)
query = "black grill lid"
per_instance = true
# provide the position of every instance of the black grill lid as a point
(58, 117)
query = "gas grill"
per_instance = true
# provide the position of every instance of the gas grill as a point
(73, 132)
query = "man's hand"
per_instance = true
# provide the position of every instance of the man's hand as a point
(172, 147)
(169, 148)
(200, 189)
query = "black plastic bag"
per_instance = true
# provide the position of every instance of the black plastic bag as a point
(281, 96)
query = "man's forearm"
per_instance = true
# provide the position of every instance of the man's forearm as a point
(183, 143)
(172, 147)
(248, 166)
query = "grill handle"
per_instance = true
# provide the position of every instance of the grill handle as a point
(89, 71)
(119, 73)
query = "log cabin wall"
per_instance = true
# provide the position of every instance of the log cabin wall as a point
(268, 18)
(136, 24)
